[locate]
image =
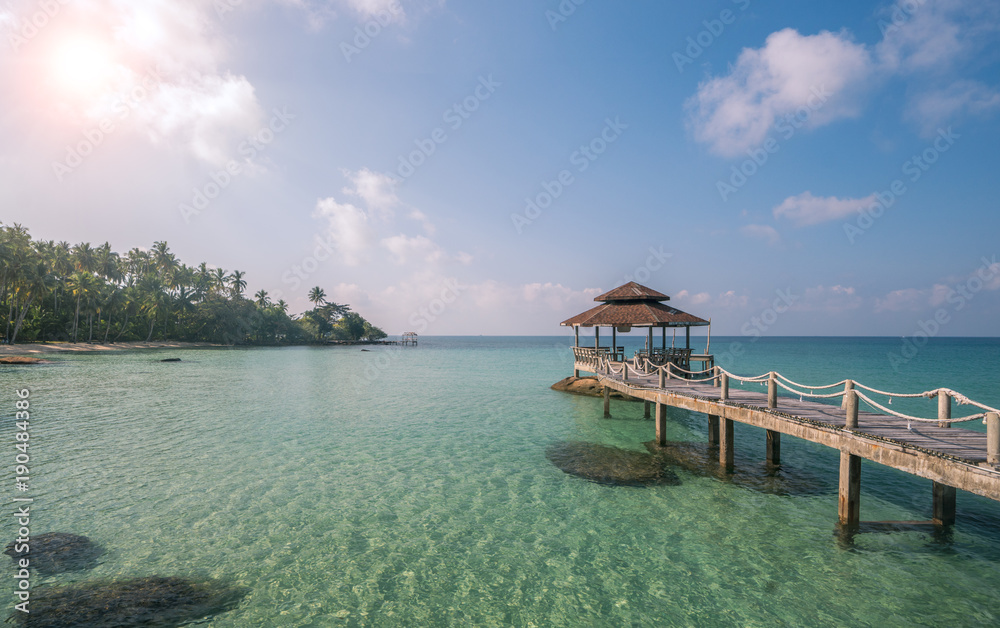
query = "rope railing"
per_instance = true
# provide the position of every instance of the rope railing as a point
(644, 366)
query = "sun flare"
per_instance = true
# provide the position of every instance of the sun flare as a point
(82, 65)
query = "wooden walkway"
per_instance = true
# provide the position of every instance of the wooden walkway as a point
(951, 457)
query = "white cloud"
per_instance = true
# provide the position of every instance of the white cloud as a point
(357, 230)
(806, 209)
(693, 299)
(761, 232)
(932, 109)
(376, 189)
(156, 69)
(348, 227)
(736, 112)
(829, 299)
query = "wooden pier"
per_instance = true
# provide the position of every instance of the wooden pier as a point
(951, 457)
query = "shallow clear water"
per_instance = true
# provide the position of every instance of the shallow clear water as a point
(410, 487)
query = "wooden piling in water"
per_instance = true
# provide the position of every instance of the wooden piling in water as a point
(607, 402)
(726, 452)
(661, 423)
(645, 410)
(713, 430)
(944, 503)
(849, 503)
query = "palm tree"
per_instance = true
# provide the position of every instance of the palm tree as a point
(237, 283)
(317, 296)
(219, 280)
(262, 299)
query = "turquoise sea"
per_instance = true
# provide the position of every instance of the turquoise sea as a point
(410, 487)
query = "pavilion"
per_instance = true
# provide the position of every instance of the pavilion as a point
(634, 305)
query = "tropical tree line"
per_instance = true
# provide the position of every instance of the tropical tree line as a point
(54, 291)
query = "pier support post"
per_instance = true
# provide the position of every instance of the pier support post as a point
(773, 447)
(772, 391)
(726, 444)
(724, 391)
(645, 410)
(661, 423)
(849, 507)
(851, 403)
(848, 387)
(993, 438)
(607, 402)
(713, 430)
(944, 408)
(944, 504)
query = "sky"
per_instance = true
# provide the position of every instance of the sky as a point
(464, 167)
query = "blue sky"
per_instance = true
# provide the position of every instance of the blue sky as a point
(488, 168)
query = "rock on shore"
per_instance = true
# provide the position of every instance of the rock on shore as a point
(587, 386)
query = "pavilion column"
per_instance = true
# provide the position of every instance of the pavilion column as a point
(614, 339)
(664, 328)
(687, 337)
(576, 343)
(597, 337)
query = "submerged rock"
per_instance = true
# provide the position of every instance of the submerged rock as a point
(56, 552)
(748, 472)
(587, 386)
(153, 601)
(610, 465)
(171, 360)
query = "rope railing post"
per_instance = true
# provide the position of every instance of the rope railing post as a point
(944, 408)
(993, 438)
(851, 398)
(715, 372)
(624, 370)
(772, 391)
(848, 387)
(662, 377)
(724, 391)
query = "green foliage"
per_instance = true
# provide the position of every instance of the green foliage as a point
(57, 292)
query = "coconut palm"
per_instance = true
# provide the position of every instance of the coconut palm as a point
(317, 296)
(237, 283)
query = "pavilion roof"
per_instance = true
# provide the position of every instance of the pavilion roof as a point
(636, 314)
(632, 292)
(635, 305)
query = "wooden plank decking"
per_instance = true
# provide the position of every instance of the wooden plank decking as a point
(951, 457)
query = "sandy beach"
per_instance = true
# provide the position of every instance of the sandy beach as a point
(73, 347)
